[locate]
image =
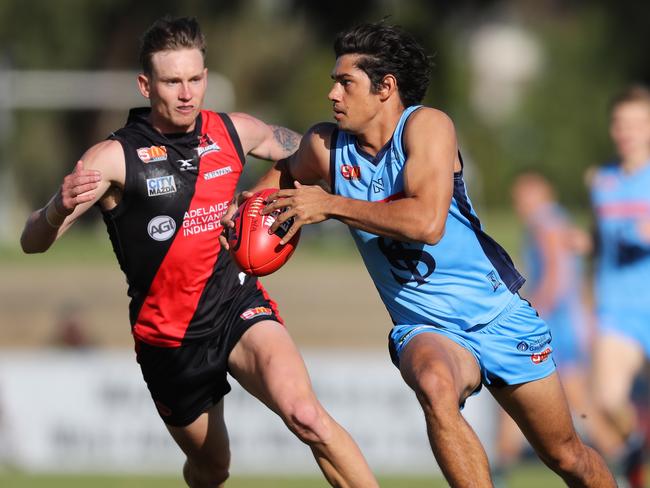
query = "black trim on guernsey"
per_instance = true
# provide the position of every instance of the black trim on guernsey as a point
(374, 160)
(333, 143)
(234, 136)
(494, 252)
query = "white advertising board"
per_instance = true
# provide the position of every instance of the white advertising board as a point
(91, 412)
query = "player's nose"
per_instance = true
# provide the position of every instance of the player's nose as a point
(185, 93)
(334, 94)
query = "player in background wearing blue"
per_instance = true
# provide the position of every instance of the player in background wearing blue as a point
(552, 255)
(620, 194)
(396, 179)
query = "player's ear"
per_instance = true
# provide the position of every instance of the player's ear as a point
(387, 87)
(144, 85)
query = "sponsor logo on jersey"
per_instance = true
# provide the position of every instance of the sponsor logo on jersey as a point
(161, 228)
(378, 185)
(217, 172)
(187, 164)
(206, 145)
(536, 345)
(256, 312)
(494, 280)
(350, 172)
(204, 219)
(152, 154)
(541, 356)
(163, 185)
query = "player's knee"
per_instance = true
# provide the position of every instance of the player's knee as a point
(437, 395)
(205, 474)
(308, 421)
(566, 457)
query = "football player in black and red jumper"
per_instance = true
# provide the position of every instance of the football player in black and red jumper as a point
(163, 182)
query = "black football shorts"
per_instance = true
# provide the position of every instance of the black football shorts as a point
(186, 381)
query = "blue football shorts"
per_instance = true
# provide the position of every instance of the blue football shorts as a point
(568, 324)
(513, 348)
(633, 324)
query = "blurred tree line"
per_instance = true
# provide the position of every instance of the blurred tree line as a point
(278, 55)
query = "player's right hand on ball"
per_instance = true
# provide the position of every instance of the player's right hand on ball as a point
(226, 220)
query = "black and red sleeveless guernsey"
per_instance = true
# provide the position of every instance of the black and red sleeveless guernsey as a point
(165, 229)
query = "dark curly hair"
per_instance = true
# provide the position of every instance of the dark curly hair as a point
(167, 34)
(388, 49)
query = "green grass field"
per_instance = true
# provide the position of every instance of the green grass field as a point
(528, 476)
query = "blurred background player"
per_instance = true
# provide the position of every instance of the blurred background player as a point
(620, 195)
(551, 255)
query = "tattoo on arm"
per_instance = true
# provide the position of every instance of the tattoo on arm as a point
(286, 138)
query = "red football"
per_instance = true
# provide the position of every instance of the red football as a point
(254, 248)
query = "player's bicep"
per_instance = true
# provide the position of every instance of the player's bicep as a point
(283, 143)
(264, 141)
(310, 164)
(430, 144)
(107, 157)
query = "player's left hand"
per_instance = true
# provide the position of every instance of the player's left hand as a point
(226, 221)
(306, 204)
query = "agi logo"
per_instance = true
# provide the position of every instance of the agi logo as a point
(152, 154)
(161, 228)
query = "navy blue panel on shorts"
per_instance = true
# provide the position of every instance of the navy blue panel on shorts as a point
(186, 381)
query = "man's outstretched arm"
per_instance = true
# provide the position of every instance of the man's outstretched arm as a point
(100, 167)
